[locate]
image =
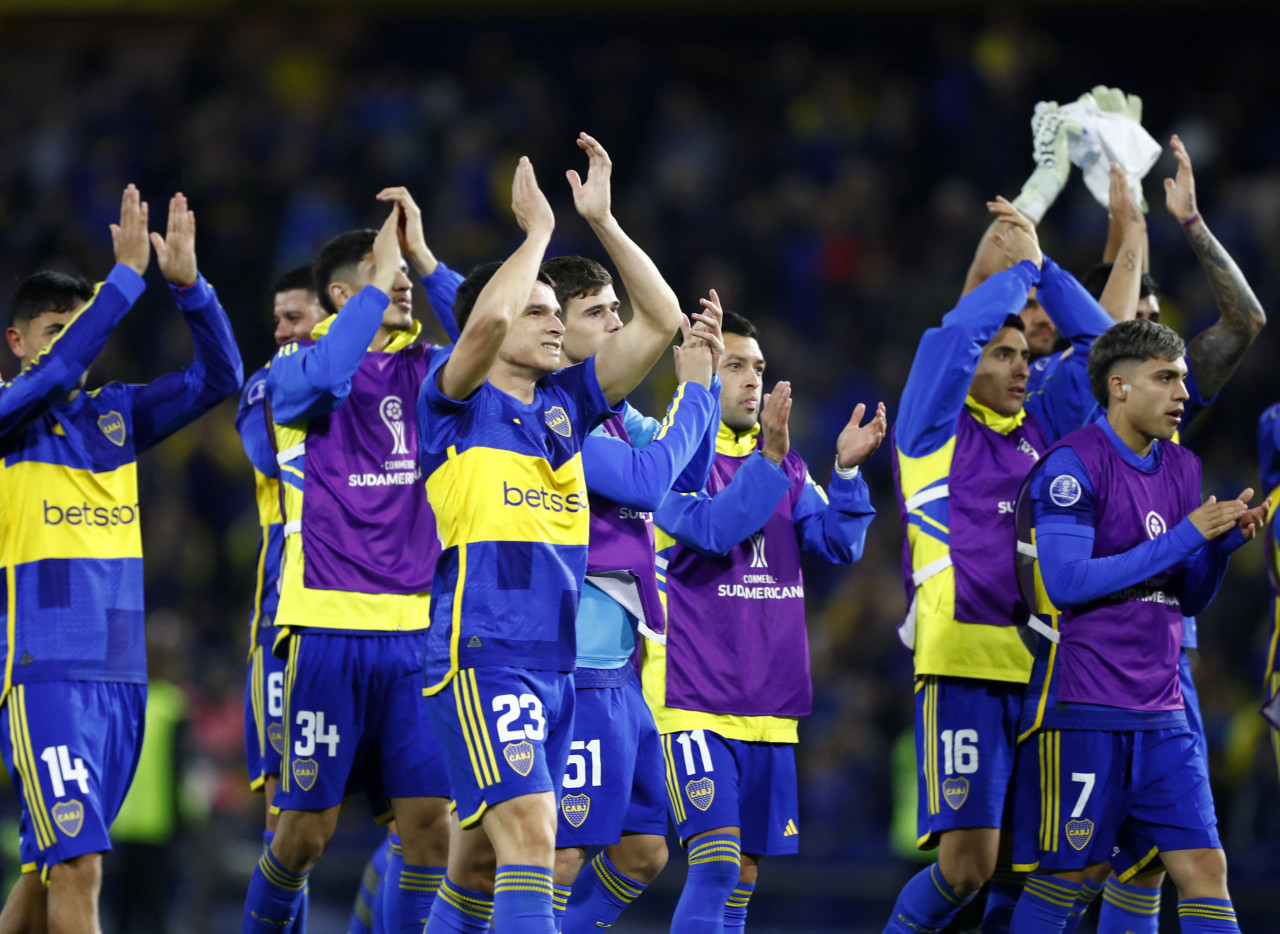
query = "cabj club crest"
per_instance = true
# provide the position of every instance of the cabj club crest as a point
(701, 792)
(69, 816)
(575, 808)
(275, 736)
(519, 756)
(305, 772)
(955, 791)
(112, 425)
(558, 421)
(1079, 832)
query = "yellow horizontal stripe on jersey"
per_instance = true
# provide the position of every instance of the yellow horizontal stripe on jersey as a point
(653, 679)
(300, 606)
(945, 645)
(492, 495)
(68, 512)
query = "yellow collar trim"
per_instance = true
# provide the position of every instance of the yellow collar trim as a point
(399, 340)
(1003, 424)
(732, 444)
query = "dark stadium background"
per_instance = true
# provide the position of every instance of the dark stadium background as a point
(823, 166)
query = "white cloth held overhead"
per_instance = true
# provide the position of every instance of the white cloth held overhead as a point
(1106, 138)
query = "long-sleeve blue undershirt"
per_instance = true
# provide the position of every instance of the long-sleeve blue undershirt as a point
(176, 399)
(833, 527)
(251, 424)
(641, 477)
(442, 288)
(1065, 535)
(305, 382)
(58, 368)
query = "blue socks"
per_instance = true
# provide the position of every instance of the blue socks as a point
(925, 905)
(1088, 892)
(599, 895)
(1045, 904)
(522, 900)
(388, 900)
(274, 894)
(1129, 908)
(714, 864)
(1208, 915)
(735, 909)
(459, 911)
(417, 890)
(366, 912)
(560, 903)
(1003, 893)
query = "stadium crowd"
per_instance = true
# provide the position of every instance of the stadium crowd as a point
(839, 208)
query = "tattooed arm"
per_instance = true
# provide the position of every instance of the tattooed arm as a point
(1214, 353)
(1128, 261)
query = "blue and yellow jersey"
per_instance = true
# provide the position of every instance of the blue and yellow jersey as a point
(251, 423)
(1269, 468)
(69, 490)
(506, 483)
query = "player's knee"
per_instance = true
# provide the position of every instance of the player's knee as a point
(967, 871)
(641, 856)
(425, 835)
(298, 844)
(569, 863)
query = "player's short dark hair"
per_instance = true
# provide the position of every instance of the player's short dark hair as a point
(300, 277)
(339, 257)
(470, 288)
(576, 277)
(1095, 281)
(735, 323)
(1135, 341)
(47, 291)
(1015, 322)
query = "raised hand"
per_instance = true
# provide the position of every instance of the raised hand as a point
(695, 357)
(386, 250)
(413, 242)
(773, 422)
(176, 250)
(1123, 206)
(1014, 234)
(857, 441)
(1180, 191)
(129, 237)
(1116, 101)
(1214, 518)
(592, 197)
(707, 324)
(529, 204)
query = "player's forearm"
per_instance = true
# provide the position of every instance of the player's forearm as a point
(503, 298)
(835, 529)
(1120, 297)
(215, 351)
(442, 288)
(1205, 572)
(988, 260)
(715, 525)
(1216, 351)
(1074, 312)
(652, 300)
(1073, 577)
(58, 368)
(641, 478)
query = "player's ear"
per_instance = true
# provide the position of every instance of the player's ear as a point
(1119, 388)
(338, 294)
(14, 337)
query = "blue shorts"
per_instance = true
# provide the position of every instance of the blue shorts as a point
(1082, 792)
(263, 716)
(71, 748)
(615, 780)
(714, 782)
(352, 711)
(1135, 853)
(505, 733)
(966, 740)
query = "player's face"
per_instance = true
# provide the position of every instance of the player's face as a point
(399, 314)
(1153, 403)
(296, 312)
(31, 338)
(741, 378)
(1041, 334)
(589, 322)
(1000, 381)
(1149, 308)
(535, 339)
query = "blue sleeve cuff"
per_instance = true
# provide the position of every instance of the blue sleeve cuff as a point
(130, 284)
(194, 295)
(1029, 272)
